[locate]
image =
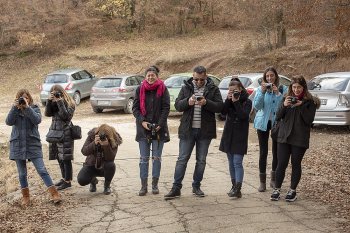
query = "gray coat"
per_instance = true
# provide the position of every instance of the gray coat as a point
(25, 138)
(61, 117)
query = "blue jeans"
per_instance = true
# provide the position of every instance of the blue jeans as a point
(185, 150)
(145, 151)
(236, 167)
(40, 168)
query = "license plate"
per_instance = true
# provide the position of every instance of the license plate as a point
(104, 102)
(323, 101)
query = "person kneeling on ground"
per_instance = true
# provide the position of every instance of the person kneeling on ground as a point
(100, 147)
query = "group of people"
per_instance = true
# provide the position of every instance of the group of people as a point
(288, 110)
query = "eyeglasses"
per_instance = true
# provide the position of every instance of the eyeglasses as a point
(199, 80)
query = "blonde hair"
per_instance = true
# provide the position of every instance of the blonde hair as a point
(113, 136)
(25, 91)
(67, 98)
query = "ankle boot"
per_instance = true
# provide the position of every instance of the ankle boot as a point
(25, 197)
(273, 179)
(233, 181)
(56, 198)
(144, 184)
(93, 183)
(237, 191)
(262, 187)
(107, 188)
(155, 189)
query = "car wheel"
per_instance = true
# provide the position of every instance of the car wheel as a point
(76, 98)
(97, 110)
(128, 107)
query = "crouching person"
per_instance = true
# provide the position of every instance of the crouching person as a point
(100, 149)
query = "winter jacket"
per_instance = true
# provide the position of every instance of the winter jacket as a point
(89, 150)
(266, 104)
(235, 136)
(25, 138)
(157, 111)
(61, 115)
(214, 105)
(296, 123)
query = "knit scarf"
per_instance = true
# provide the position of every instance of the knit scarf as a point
(300, 96)
(145, 86)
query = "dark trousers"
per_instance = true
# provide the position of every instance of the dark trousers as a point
(263, 137)
(87, 173)
(66, 169)
(284, 152)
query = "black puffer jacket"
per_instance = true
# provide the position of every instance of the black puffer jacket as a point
(235, 136)
(157, 111)
(61, 117)
(214, 104)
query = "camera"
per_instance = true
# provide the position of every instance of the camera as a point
(199, 98)
(152, 127)
(268, 86)
(236, 94)
(57, 94)
(21, 101)
(102, 136)
(293, 100)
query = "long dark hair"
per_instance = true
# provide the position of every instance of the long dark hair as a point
(235, 81)
(277, 78)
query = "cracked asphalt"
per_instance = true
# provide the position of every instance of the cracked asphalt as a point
(125, 211)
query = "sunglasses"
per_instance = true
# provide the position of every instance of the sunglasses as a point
(199, 80)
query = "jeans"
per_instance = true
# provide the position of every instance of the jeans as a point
(235, 165)
(66, 169)
(285, 151)
(263, 137)
(87, 173)
(185, 150)
(40, 168)
(145, 151)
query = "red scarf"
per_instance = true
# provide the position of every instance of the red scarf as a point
(301, 96)
(145, 86)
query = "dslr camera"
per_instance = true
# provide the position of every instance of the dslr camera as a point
(102, 136)
(293, 100)
(236, 94)
(57, 94)
(268, 86)
(199, 98)
(21, 101)
(152, 127)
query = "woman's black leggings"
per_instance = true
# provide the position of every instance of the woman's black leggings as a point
(263, 137)
(87, 173)
(284, 152)
(66, 169)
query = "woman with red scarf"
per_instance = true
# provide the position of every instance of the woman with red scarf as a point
(151, 109)
(296, 114)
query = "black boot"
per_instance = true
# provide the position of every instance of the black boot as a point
(233, 181)
(144, 184)
(262, 187)
(93, 183)
(107, 188)
(155, 189)
(174, 193)
(237, 191)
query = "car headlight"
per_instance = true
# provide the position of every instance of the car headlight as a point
(343, 101)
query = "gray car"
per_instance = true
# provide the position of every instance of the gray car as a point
(333, 89)
(115, 92)
(77, 83)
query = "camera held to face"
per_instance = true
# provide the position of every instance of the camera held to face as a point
(21, 101)
(102, 136)
(293, 100)
(236, 94)
(268, 86)
(57, 94)
(153, 127)
(199, 98)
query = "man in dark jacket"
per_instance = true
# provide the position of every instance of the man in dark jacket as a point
(199, 100)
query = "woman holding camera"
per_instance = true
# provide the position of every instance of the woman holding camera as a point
(100, 149)
(296, 114)
(151, 109)
(24, 117)
(60, 106)
(234, 139)
(266, 101)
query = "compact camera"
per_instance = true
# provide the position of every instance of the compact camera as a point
(268, 86)
(57, 94)
(293, 100)
(153, 127)
(21, 101)
(199, 98)
(236, 94)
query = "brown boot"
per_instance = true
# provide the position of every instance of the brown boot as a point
(25, 197)
(56, 198)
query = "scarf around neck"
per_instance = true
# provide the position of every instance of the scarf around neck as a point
(145, 86)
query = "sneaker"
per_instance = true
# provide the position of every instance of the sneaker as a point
(275, 196)
(174, 193)
(198, 192)
(291, 195)
(64, 185)
(59, 183)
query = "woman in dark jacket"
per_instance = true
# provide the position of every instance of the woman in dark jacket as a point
(61, 107)
(296, 115)
(151, 109)
(234, 139)
(25, 144)
(100, 149)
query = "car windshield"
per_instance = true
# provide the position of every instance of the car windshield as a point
(108, 82)
(331, 83)
(174, 81)
(56, 78)
(226, 81)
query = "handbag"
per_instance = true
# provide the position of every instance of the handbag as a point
(54, 136)
(75, 131)
(275, 130)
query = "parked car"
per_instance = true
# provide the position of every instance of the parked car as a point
(175, 81)
(333, 89)
(115, 92)
(223, 85)
(77, 83)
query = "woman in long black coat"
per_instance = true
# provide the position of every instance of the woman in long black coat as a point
(234, 139)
